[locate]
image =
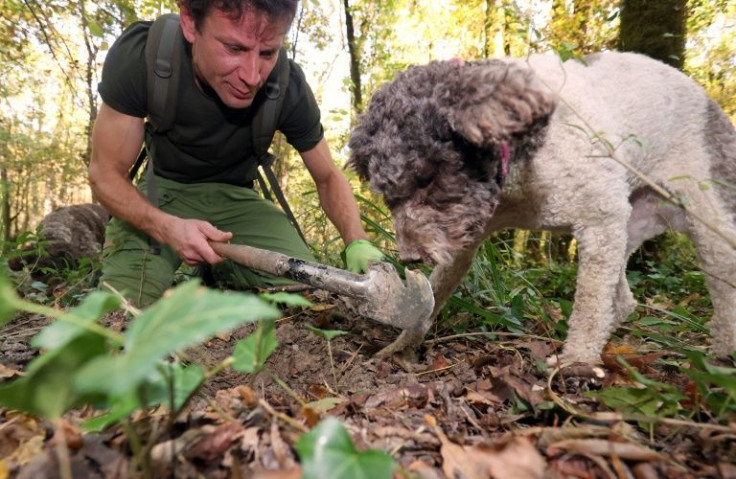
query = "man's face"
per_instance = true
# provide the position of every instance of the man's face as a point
(233, 57)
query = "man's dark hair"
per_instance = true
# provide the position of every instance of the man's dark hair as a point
(276, 10)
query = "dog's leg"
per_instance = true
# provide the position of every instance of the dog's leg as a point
(649, 217)
(624, 303)
(718, 261)
(602, 252)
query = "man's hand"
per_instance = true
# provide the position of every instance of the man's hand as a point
(190, 240)
(359, 254)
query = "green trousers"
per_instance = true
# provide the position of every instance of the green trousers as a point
(130, 267)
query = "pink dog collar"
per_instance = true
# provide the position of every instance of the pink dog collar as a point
(505, 156)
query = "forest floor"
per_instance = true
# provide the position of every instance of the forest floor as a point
(465, 406)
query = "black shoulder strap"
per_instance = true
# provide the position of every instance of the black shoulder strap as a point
(264, 127)
(264, 120)
(162, 85)
(163, 59)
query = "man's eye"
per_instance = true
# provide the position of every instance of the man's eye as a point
(268, 54)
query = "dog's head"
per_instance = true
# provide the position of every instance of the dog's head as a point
(434, 143)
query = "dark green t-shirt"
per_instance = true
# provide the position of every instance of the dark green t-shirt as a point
(209, 142)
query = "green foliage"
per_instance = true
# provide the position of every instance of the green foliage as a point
(251, 353)
(328, 452)
(654, 398)
(328, 334)
(172, 384)
(85, 363)
(715, 386)
(190, 314)
(9, 300)
(45, 389)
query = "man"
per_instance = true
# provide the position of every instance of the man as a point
(231, 48)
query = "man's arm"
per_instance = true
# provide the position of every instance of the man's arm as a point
(335, 195)
(116, 141)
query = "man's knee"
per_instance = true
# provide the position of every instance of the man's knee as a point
(138, 275)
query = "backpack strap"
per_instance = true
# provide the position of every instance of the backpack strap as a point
(163, 60)
(264, 127)
(264, 120)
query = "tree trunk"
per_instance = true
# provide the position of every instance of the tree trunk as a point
(656, 28)
(354, 52)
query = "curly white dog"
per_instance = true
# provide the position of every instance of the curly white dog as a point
(591, 147)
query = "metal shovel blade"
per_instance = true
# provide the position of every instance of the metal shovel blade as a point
(383, 295)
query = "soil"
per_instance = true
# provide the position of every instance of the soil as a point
(464, 406)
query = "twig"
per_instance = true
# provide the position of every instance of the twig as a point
(438, 369)
(288, 390)
(491, 334)
(62, 451)
(290, 421)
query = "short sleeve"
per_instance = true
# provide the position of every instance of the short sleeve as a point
(123, 85)
(300, 119)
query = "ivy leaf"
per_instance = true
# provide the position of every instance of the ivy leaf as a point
(328, 452)
(289, 299)
(190, 314)
(251, 353)
(328, 334)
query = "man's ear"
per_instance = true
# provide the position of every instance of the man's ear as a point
(188, 27)
(489, 102)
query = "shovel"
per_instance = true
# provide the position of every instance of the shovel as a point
(381, 293)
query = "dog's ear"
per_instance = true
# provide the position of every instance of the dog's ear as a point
(490, 101)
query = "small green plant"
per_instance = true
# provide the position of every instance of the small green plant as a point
(329, 335)
(84, 363)
(713, 392)
(328, 452)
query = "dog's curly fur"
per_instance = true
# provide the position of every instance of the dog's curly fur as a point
(435, 142)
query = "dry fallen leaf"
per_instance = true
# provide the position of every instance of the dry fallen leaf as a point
(510, 458)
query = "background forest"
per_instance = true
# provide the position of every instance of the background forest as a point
(51, 55)
(180, 377)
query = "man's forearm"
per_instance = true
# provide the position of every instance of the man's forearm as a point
(338, 202)
(123, 201)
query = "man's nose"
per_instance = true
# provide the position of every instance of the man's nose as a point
(249, 71)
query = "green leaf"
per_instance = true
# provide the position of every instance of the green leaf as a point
(251, 353)
(89, 311)
(327, 452)
(8, 298)
(46, 388)
(289, 299)
(95, 29)
(328, 334)
(190, 314)
(155, 391)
